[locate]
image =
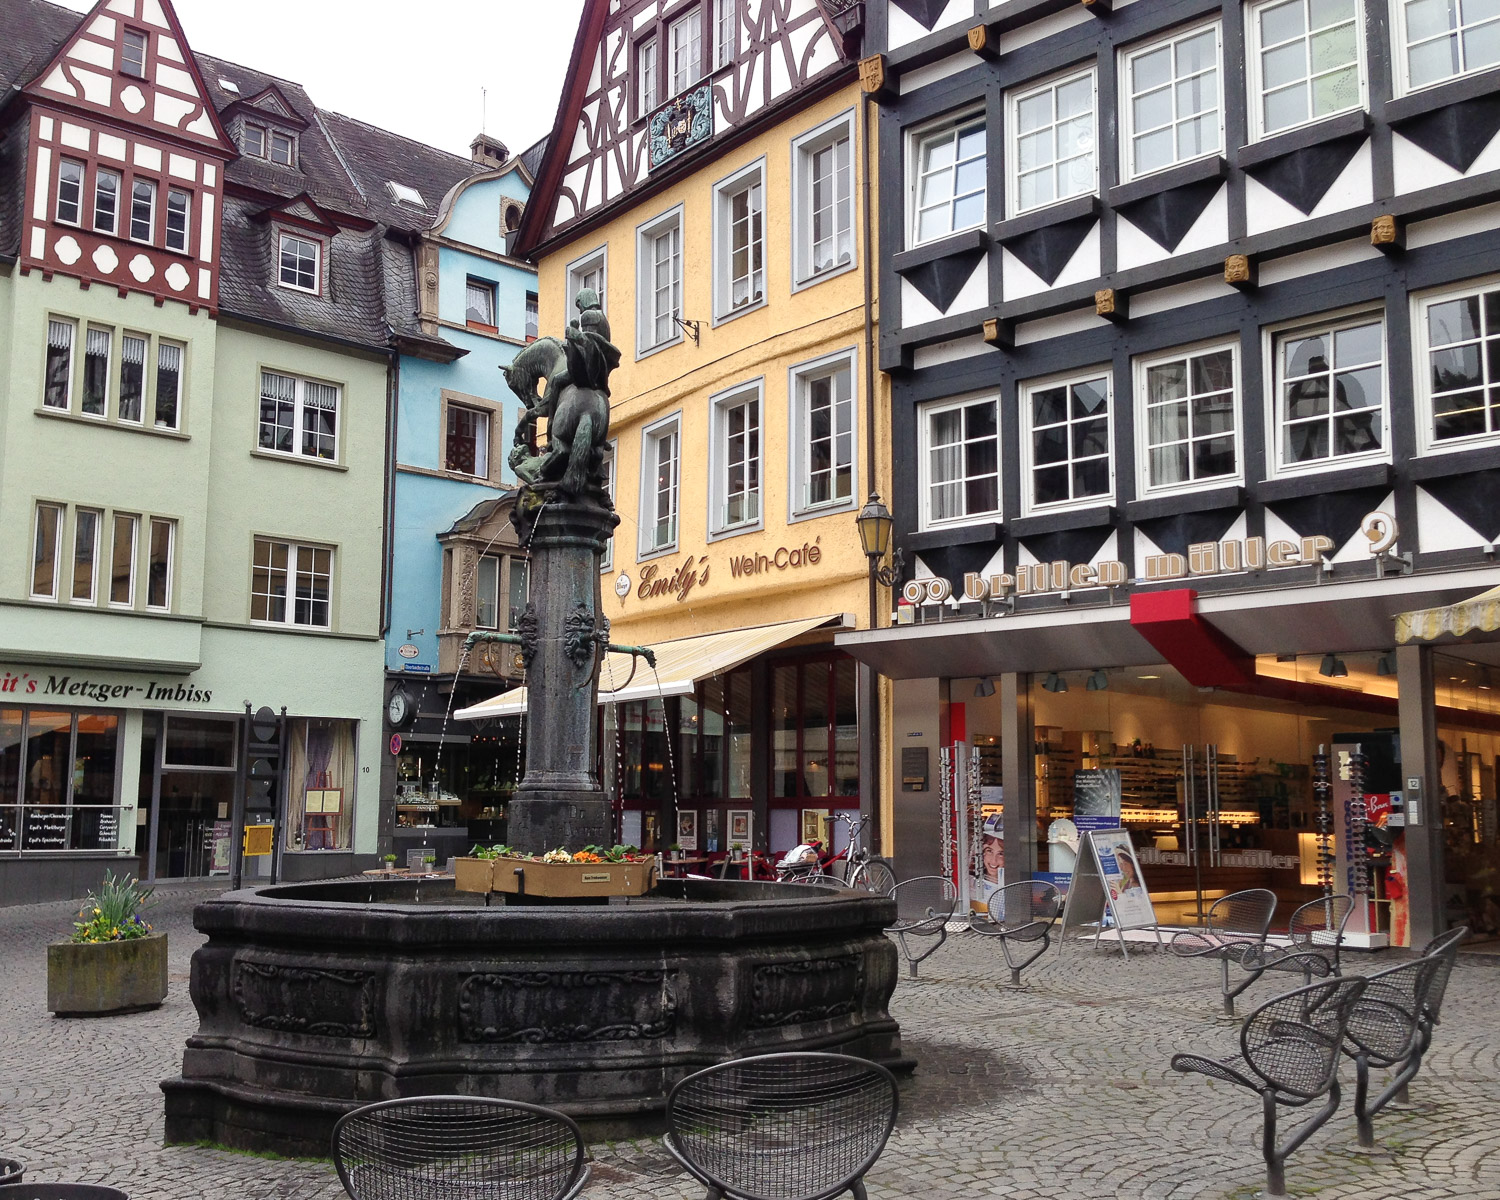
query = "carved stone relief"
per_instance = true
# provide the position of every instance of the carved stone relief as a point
(540, 1007)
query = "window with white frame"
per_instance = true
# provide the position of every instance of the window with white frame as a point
(1442, 39)
(133, 388)
(726, 31)
(84, 536)
(948, 184)
(97, 342)
(661, 450)
(608, 559)
(57, 389)
(647, 76)
(169, 385)
(467, 448)
(133, 348)
(533, 316)
(487, 593)
(142, 210)
(107, 202)
(86, 523)
(69, 192)
(1186, 418)
(298, 417)
(1306, 62)
(159, 549)
(283, 148)
(1330, 392)
(740, 237)
(1174, 109)
(291, 583)
(736, 460)
(253, 138)
(479, 302)
(299, 261)
(589, 272)
(122, 560)
(1066, 450)
(823, 200)
(823, 435)
(659, 287)
(519, 572)
(1052, 138)
(960, 466)
(46, 551)
(179, 207)
(1458, 365)
(685, 50)
(133, 53)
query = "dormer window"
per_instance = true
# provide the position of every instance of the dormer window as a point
(405, 194)
(260, 142)
(301, 259)
(133, 54)
(255, 141)
(283, 148)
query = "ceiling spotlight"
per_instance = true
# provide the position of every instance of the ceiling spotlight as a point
(1333, 667)
(1098, 681)
(985, 687)
(1054, 683)
(1386, 664)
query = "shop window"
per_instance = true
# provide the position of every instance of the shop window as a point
(320, 774)
(949, 179)
(1458, 366)
(487, 593)
(1442, 39)
(659, 283)
(1330, 393)
(69, 192)
(479, 302)
(589, 272)
(960, 463)
(740, 242)
(660, 449)
(1052, 142)
(814, 731)
(1173, 109)
(57, 781)
(1186, 418)
(1306, 62)
(737, 460)
(823, 200)
(107, 202)
(289, 571)
(823, 435)
(300, 262)
(1067, 455)
(298, 417)
(468, 444)
(200, 743)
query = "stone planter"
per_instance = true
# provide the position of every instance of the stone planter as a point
(95, 979)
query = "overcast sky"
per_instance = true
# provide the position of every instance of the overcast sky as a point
(415, 67)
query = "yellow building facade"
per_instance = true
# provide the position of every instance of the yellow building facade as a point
(748, 426)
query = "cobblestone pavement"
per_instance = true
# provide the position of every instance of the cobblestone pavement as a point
(1058, 1092)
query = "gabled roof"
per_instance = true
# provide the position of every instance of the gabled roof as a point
(34, 32)
(268, 103)
(301, 210)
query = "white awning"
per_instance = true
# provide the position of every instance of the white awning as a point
(679, 665)
(1477, 614)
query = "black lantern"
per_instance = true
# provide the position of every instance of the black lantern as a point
(875, 524)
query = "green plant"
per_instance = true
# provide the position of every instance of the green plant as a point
(389, 859)
(112, 913)
(675, 848)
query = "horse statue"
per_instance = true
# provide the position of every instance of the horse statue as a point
(575, 402)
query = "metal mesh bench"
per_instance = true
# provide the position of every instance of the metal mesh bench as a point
(1021, 916)
(1235, 933)
(1385, 1031)
(924, 906)
(1289, 1056)
(803, 1126)
(11, 1171)
(458, 1148)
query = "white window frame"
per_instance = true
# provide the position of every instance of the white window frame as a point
(583, 266)
(77, 186)
(289, 139)
(804, 150)
(170, 525)
(103, 335)
(1322, 323)
(483, 437)
(925, 413)
(1255, 83)
(187, 220)
(70, 380)
(726, 31)
(646, 316)
(1024, 406)
(151, 208)
(1141, 411)
(648, 68)
(1127, 107)
(125, 45)
(289, 621)
(282, 236)
(1013, 102)
(60, 514)
(1400, 52)
(692, 66)
(1427, 441)
(610, 464)
(751, 180)
(299, 414)
(97, 516)
(489, 564)
(161, 346)
(720, 406)
(489, 289)
(799, 443)
(917, 141)
(651, 436)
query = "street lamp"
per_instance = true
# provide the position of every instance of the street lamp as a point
(875, 524)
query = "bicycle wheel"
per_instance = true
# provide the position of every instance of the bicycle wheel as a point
(874, 875)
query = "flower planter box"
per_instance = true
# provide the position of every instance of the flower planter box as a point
(519, 876)
(92, 979)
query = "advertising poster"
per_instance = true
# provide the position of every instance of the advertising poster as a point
(1124, 883)
(1096, 799)
(991, 860)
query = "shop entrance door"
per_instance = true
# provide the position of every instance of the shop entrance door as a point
(1216, 820)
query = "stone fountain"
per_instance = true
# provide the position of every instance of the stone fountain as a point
(315, 998)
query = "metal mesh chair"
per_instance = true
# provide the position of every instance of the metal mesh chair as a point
(800, 1126)
(1021, 916)
(1289, 1055)
(1445, 948)
(924, 906)
(458, 1148)
(1235, 933)
(11, 1171)
(1385, 1031)
(874, 875)
(1316, 933)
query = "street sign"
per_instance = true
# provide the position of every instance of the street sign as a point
(395, 743)
(409, 651)
(417, 668)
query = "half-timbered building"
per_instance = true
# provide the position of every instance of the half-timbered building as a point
(1187, 307)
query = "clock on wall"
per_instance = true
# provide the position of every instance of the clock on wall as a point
(398, 709)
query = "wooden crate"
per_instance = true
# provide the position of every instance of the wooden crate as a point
(473, 874)
(559, 880)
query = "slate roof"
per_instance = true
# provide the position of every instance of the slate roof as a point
(34, 32)
(376, 157)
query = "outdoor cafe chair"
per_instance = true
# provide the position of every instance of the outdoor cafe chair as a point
(1315, 935)
(1235, 931)
(458, 1148)
(10, 1171)
(1445, 948)
(1289, 1056)
(1021, 916)
(1385, 1031)
(924, 906)
(800, 1126)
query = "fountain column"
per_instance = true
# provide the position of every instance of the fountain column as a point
(563, 633)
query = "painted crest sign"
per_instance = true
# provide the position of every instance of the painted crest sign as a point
(681, 124)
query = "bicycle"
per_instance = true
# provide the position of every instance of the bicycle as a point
(863, 870)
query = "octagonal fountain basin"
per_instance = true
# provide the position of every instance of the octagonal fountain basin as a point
(316, 998)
